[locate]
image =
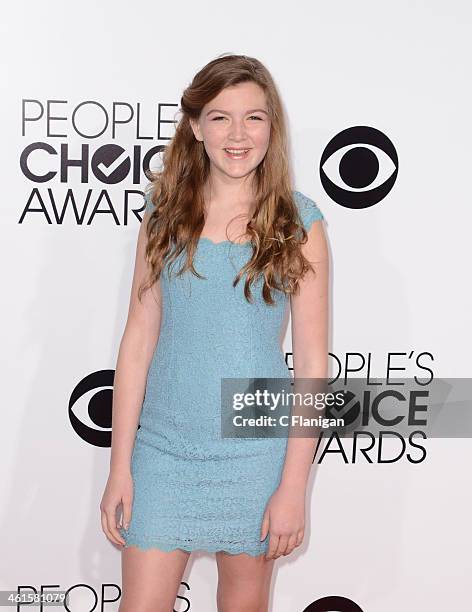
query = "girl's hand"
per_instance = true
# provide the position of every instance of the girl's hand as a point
(119, 490)
(284, 518)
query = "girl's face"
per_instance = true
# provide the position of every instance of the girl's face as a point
(235, 129)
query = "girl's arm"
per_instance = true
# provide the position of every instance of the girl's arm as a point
(136, 349)
(284, 516)
(309, 310)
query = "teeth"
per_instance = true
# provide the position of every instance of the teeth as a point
(237, 151)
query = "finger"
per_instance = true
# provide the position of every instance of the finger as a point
(105, 529)
(108, 532)
(126, 516)
(265, 526)
(300, 535)
(273, 542)
(291, 544)
(282, 546)
(113, 533)
(113, 526)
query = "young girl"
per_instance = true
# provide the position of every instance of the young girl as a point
(224, 245)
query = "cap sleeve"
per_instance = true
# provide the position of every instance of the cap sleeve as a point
(149, 204)
(308, 209)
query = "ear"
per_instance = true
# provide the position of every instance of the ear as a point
(196, 129)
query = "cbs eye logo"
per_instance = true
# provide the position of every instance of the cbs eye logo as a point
(334, 603)
(359, 167)
(90, 408)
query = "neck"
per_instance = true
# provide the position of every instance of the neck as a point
(230, 193)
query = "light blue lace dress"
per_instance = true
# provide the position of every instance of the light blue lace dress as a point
(193, 489)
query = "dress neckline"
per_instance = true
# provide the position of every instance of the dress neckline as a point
(222, 242)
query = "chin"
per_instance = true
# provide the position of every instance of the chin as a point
(233, 172)
(241, 173)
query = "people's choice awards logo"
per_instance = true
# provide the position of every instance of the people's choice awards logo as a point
(359, 167)
(90, 408)
(83, 159)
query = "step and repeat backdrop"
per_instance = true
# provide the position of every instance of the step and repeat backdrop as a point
(378, 107)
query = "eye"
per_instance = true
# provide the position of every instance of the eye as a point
(255, 117)
(219, 117)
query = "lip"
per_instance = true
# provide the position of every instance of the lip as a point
(237, 148)
(237, 154)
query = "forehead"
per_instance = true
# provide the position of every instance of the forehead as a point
(237, 98)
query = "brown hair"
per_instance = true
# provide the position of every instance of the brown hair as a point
(275, 229)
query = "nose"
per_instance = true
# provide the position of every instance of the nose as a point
(237, 130)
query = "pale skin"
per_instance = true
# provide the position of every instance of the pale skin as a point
(151, 578)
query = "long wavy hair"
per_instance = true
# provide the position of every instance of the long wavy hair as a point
(275, 229)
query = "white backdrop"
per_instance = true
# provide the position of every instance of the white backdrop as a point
(388, 537)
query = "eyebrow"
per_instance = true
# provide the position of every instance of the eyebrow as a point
(254, 110)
